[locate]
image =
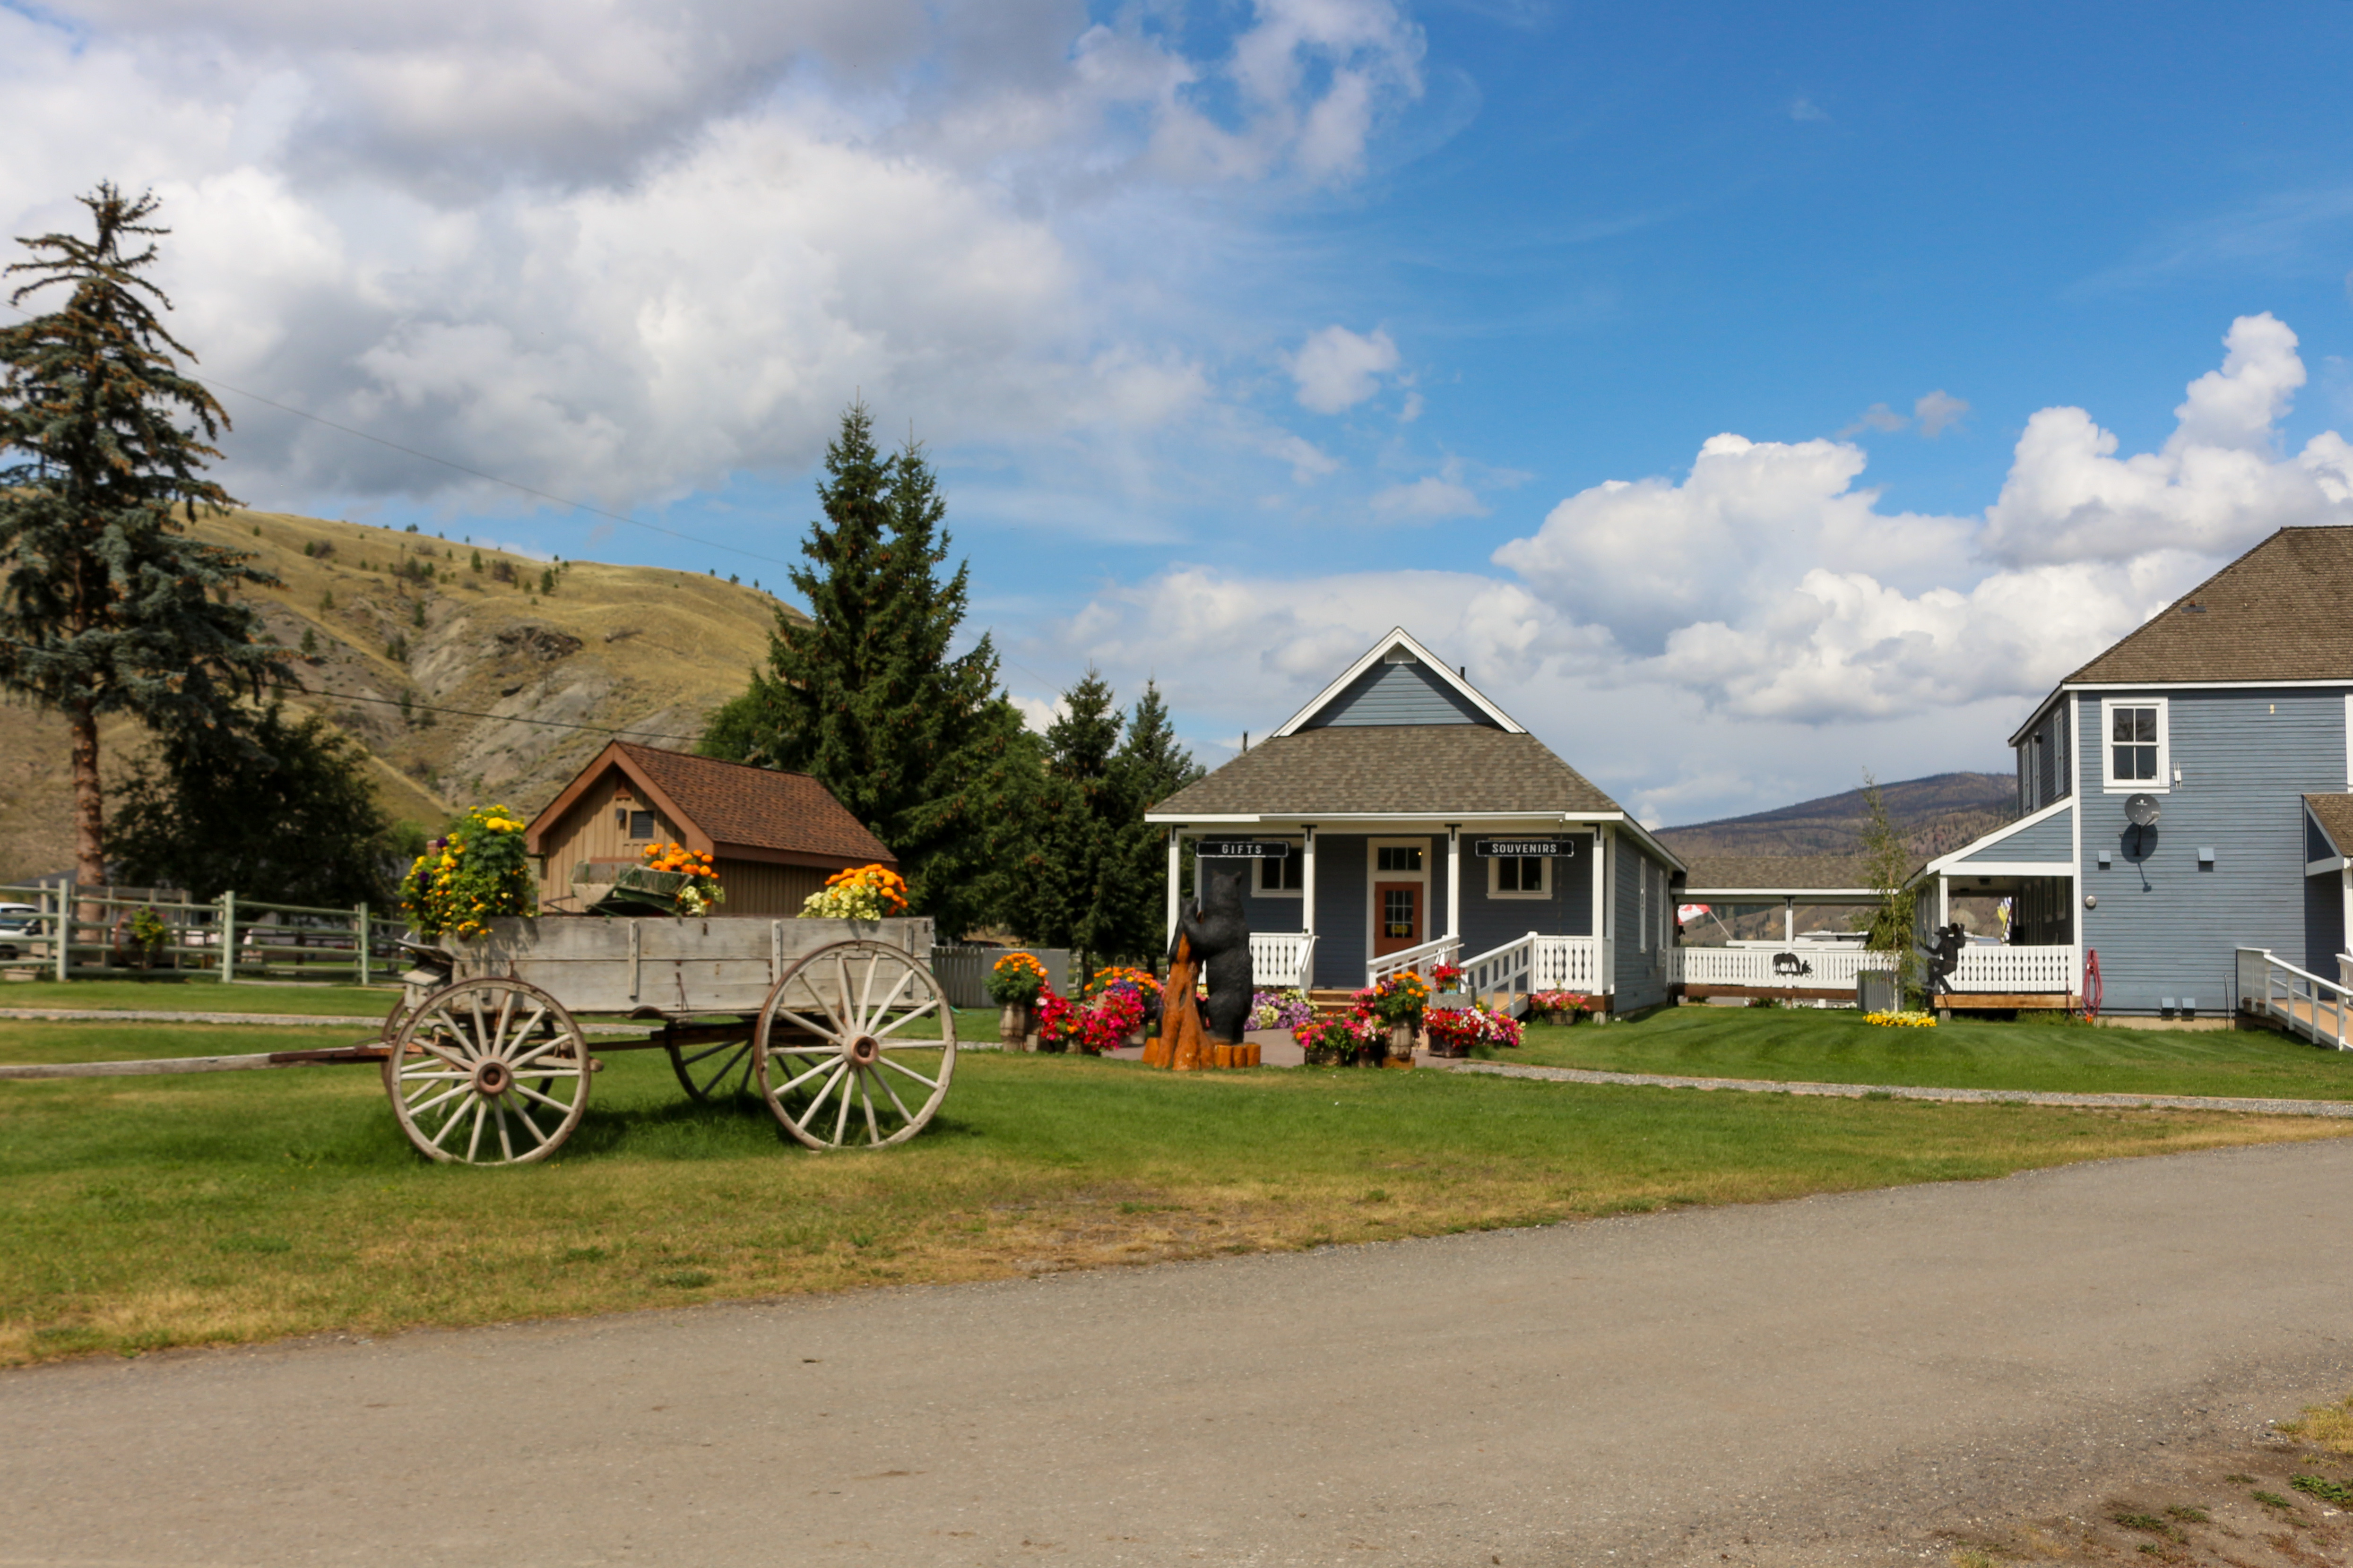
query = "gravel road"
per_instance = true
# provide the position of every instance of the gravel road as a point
(1825, 1381)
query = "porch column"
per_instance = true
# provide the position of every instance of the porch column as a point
(1605, 906)
(1943, 901)
(1175, 867)
(1307, 901)
(1789, 923)
(1454, 879)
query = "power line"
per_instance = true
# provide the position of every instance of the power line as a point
(412, 705)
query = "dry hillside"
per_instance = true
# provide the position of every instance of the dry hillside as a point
(638, 649)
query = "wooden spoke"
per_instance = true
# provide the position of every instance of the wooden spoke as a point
(840, 1041)
(719, 1070)
(461, 1058)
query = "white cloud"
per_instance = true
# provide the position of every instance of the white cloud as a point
(1433, 498)
(1878, 417)
(1802, 108)
(627, 249)
(1337, 369)
(1938, 411)
(1038, 714)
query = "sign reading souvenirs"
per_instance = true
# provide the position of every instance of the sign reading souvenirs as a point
(1244, 848)
(1508, 848)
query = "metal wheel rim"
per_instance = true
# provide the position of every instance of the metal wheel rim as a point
(487, 1072)
(844, 1089)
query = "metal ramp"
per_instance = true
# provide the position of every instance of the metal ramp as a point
(2295, 1000)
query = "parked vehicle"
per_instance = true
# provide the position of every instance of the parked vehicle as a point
(20, 926)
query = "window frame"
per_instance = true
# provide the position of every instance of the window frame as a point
(1259, 890)
(2109, 782)
(653, 820)
(1495, 889)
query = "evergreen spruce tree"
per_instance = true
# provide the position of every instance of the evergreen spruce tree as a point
(1150, 767)
(1069, 892)
(915, 740)
(106, 606)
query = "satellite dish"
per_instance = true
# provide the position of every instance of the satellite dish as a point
(2140, 810)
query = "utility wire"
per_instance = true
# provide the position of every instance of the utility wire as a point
(414, 706)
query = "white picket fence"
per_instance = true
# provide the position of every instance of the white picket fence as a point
(2006, 970)
(1815, 966)
(88, 932)
(1568, 964)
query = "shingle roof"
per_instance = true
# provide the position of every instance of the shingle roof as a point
(2277, 612)
(2335, 814)
(1408, 769)
(1775, 872)
(757, 807)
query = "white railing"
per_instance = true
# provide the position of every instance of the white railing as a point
(2311, 1008)
(88, 930)
(2008, 970)
(1568, 964)
(1424, 958)
(1507, 971)
(1282, 960)
(1805, 965)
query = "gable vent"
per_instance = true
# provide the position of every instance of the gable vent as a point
(1398, 655)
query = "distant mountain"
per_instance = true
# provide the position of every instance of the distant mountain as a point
(477, 655)
(1819, 843)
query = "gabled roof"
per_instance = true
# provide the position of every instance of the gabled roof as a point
(1367, 770)
(2277, 612)
(2334, 813)
(730, 809)
(1398, 637)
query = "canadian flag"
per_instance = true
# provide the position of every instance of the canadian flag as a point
(1686, 913)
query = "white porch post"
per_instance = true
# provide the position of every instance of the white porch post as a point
(1943, 901)
(1789, 921)
(1605, 840)
(1176, 865)
(1454, 879)
(1307, 902)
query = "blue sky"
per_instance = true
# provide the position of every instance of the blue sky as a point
(1240, 332)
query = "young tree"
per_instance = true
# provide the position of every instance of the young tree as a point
(1887, 866)
(1069, 894)
(1151, 766)
(916, 740)
(106, 606)
(288, 817)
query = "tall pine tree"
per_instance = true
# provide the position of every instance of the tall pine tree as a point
(106, 606)
(914, 738)
(1150, 767)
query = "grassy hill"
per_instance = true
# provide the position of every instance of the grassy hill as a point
(478, 656)
(1936, 814)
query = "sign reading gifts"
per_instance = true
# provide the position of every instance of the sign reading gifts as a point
(1519, 849)
(1244, 848)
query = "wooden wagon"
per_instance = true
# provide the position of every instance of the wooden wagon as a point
(831, 1021)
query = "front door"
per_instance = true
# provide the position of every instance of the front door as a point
(1397, 917)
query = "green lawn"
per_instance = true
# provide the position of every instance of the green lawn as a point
(199, 994)
(141, 1212)
(1838, 1047)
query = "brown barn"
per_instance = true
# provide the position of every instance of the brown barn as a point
(774, 838)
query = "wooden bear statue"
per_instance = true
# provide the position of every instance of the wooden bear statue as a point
(1220, 933)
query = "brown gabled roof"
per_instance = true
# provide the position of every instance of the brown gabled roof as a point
(2277, 612)
(730, 809)
(1776, 873)
(2335, 814)
(1409, 769)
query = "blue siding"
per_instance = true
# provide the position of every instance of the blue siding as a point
(2324, 923)
(1640, 978)
(1398, 694)
(2316, 845)
(1339, 908)
(1491, 922)
(2245, 757)
(2052, 840)
(2046, 760)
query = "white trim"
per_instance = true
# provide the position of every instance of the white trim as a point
(2333, 863)
(1398, 637)
(2349, 740)
(1307, 885)
(2008, 869)
(1776, 895)
(1454, 880)
(1432, 822)
(1952, 862)
(1373, 874)
(2093, 687)
(1495, 875)
(1609, 907)
(1175, 871)
(2163, 782)
(2076, 829)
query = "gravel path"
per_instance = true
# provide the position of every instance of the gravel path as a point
(2331, 1108)
(1830, 1380)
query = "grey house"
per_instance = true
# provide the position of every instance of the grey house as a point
(1401, 819)
(2231, 712)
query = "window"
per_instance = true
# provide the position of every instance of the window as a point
(1396, 913)
(1287, 875)
(2137, 748)
(1397, 857)
(642, 825)
(1519, 877)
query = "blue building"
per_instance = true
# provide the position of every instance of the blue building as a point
(2185, 825)
(1401, 819)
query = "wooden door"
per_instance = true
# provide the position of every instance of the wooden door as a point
(1397, 917)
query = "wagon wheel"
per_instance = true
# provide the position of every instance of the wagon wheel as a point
(714, 1069)
(489, 1072)
(835, 1061)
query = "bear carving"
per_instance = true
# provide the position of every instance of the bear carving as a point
(1219, 932)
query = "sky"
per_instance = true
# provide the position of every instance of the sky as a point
(1746, 400)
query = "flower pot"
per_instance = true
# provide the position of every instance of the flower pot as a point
(1401, 1039)
(1013, 1025)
